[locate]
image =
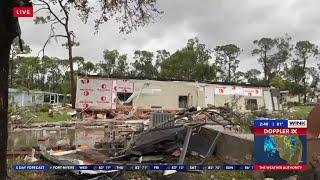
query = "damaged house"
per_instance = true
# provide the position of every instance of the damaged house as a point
(97, 93)
(173, 95)
(25, 98)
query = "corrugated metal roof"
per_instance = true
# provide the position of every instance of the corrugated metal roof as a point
(14, 90)
(177, 80)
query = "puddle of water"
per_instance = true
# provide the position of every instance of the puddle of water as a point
(55, 136)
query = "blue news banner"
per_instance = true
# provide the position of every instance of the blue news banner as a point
(23, 167)
(279, 123)
(270, 124)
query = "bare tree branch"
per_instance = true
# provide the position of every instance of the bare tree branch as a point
(44, 46)
(40, 9)
(64, 10)
(36, 4)
(131, 14)
(59, 35)
(59, 20)
(48, 40)
(52, 27)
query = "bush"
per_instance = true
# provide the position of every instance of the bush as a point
(261, 114)
(310, 104)
(291, 104)
(42, 108)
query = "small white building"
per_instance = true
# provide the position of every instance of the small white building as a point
(23, 98)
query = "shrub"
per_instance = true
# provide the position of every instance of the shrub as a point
(261, 113)
(42, 108)
(291, 104)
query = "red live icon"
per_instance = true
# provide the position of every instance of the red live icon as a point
(22, 12)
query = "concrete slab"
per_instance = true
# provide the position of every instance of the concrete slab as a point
(249, 137)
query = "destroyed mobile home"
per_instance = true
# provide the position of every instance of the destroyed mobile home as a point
(165, 139)
(118, 96)
(170, 138)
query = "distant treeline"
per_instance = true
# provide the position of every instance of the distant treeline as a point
(283, 66)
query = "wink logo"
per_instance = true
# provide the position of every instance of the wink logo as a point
(297, 123)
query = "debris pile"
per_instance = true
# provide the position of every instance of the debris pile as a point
(162, 139)
(21, 116)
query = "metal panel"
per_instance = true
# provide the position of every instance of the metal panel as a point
(93, 93)
(158, 118)
(100, 93)
(275, 93)
(252, 92)
(209, 95)
(124, 86)
(267, 100)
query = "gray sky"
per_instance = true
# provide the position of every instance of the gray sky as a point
(215, 22)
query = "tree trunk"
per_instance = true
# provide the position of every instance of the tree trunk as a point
(304, 81)
(11, 71)
(4, 74)
(72, 80)
(265, 65)
(9, 29)
(229, 70)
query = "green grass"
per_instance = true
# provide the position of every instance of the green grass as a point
(302, 111)
(39, 114)
(43, 117)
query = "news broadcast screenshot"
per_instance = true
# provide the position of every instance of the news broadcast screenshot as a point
(159, 90)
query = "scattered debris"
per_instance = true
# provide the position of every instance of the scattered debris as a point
(167, 139)
(155, 158)
(31, 158)
(63, 142)
(19, 152)
(81, 155)
(161, 137)
(50, 113)
(176, 153)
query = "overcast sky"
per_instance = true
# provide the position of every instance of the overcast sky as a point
(215, 22)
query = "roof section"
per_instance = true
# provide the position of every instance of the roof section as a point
(14, 90)
(164, 79)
